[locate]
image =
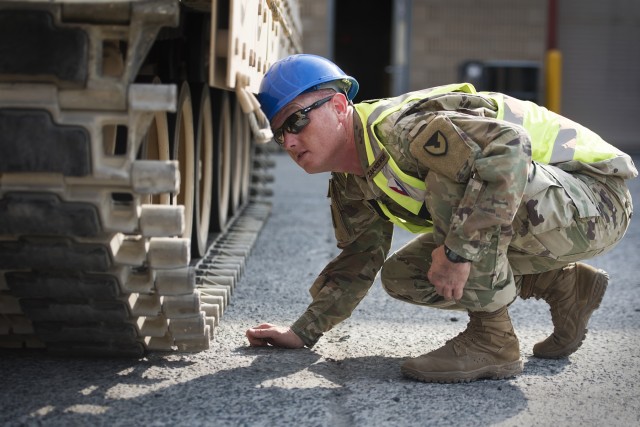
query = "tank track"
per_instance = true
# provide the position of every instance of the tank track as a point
(87, 265)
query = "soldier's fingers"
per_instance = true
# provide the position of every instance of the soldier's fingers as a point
(264, 326)
(438, 289)
(255, 341)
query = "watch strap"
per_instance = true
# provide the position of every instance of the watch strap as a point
(454, 257)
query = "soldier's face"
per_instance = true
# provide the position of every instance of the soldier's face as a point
(297, 121)
(311, 146)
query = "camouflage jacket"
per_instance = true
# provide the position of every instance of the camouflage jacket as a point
(502, 158)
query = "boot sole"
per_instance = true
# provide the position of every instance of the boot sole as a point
(597, 294)
(493, 372)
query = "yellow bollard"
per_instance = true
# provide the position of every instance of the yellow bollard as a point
(554, 80)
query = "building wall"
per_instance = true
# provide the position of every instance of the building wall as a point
(447, 32)
(316, 27)
(600, 45)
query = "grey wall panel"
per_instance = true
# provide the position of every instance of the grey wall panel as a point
(600, 44)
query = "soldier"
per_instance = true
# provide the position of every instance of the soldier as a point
(505, 197)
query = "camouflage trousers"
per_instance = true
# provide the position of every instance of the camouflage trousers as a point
(562, 218)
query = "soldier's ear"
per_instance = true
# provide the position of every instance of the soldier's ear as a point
(340, 102)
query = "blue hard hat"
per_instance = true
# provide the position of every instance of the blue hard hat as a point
(296, 74)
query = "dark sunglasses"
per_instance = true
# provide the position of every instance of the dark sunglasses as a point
(297, 121)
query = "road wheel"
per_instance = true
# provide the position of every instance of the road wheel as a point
(155, 146)
(181, 130)
(247, 161)
(221, 161)
(203, 170)
(237, 150)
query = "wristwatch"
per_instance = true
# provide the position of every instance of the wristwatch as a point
(454, 257)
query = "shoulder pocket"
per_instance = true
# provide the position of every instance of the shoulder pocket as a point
(437, 145)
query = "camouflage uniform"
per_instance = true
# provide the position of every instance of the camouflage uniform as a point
(506, 213)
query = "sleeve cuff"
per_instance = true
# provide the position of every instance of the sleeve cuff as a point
(463, 249)
(301, 329)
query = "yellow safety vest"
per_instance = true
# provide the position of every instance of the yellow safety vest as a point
(554, 139)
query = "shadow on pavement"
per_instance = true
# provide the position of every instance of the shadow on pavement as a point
(276, 387)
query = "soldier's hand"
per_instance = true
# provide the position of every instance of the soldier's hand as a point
(448, 277)
(267, 334)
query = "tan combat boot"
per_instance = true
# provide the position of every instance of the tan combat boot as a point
(488, 348)
(573, 294)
